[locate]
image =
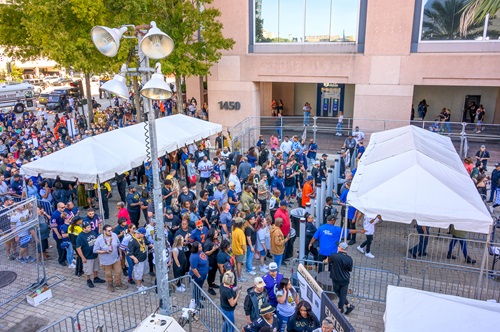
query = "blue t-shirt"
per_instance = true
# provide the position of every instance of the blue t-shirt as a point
(56, 222)
(328, 236)
(312, 155)
(199, 261)
(197, 235)
(132, 199)
(226, 219)
(234, 197)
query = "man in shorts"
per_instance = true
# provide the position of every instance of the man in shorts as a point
(18, 220)
(138, 252)
(85, 249)
(205, 167)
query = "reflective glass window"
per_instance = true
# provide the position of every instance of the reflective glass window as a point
(345, 20)
(317, 21)
(266, 21)
(291, 21)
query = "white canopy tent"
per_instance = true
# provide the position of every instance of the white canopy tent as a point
(100, 157)
(409, 174)
(412, 310)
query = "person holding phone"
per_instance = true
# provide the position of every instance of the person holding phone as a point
(106, 246)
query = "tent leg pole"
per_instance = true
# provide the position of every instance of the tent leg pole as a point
(346, 221)
(101, 209)
(483, 264)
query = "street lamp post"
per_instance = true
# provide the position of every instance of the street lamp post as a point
(156, 45)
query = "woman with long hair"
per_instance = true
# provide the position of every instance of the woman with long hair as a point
(287, 302)
(303, 320)
(211, 248)
(263, 241)
(179, 261)
(199, 269)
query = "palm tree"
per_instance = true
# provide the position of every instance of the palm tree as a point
(442, 21)
(475, 11)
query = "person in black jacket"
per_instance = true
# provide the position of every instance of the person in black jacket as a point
(303, 320)
(495, 181)
(256, 296)
(340, 271)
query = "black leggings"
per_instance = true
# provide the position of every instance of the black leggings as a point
(367, 243)
(212, 273)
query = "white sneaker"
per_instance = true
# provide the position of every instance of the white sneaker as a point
(180, 289)
(72, 266)
(242, 279)
(369, 255)
(253, 268)
(263, 269)
(361, 250)
(73, 261)
(183, 287)
(251, 273)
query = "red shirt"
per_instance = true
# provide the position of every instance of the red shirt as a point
(283, 214)
(124, 213)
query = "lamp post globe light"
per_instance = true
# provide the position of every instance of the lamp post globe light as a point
(157, 45)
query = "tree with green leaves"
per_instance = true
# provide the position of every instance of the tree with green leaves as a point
(60, 30)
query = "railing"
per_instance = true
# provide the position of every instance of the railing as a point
(127, 312)
(66, 324)
(365, 283)
(460, 282)
(248, 131)
(437, 250)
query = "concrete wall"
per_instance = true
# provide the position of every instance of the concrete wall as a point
(453, 97)
(305, 92)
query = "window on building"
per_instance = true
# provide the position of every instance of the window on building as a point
(440, 21)
(306, 21)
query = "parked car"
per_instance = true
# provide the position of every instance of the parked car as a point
(43, 98)
(54, 102)
(51, 79)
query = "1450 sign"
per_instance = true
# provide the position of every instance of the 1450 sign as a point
(230, 105)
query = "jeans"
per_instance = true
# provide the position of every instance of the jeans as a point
(463, 244)
(283, 320)
(130, 267)
(226, 327)
(196, 293)
(493, 190)
(70, 254)
(338, 128)
(307, 116)
(278, 259)
(447, 125)
(310, 163)
(421, 247)
(60, 252)
(250, 254)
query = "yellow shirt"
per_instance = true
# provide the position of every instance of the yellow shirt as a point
(239, 241)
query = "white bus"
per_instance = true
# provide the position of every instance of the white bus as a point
(17, 96)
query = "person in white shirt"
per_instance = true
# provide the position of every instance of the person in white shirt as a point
(358, 135)
(339, 124)
(286, 147)
(205, 167)
(369, 226)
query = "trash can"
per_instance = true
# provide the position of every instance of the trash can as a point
(289, 246)
(295, 216)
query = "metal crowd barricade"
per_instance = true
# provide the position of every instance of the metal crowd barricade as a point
(47, 206)
(366, 283)
(438, 247)
(460, 282)
(21, 276)
(66, 324)
(127, 312)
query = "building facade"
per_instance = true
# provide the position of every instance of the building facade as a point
(371, 59)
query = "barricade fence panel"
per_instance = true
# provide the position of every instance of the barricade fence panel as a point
(445, 250)
(366, 283)
(67, 324)
(23, 269)
(460, 282)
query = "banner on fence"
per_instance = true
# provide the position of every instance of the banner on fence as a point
(329, 309)
(309, 289)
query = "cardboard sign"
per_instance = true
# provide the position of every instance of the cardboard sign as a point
(329, 309)
(309, 289)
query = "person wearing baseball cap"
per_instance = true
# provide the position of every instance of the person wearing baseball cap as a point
(341, 267)
(267, 319)
(483, 156)
(85, 249)
(256, 296)
(138, 252)
(272, 280)
(199, 233)
(308, 190)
